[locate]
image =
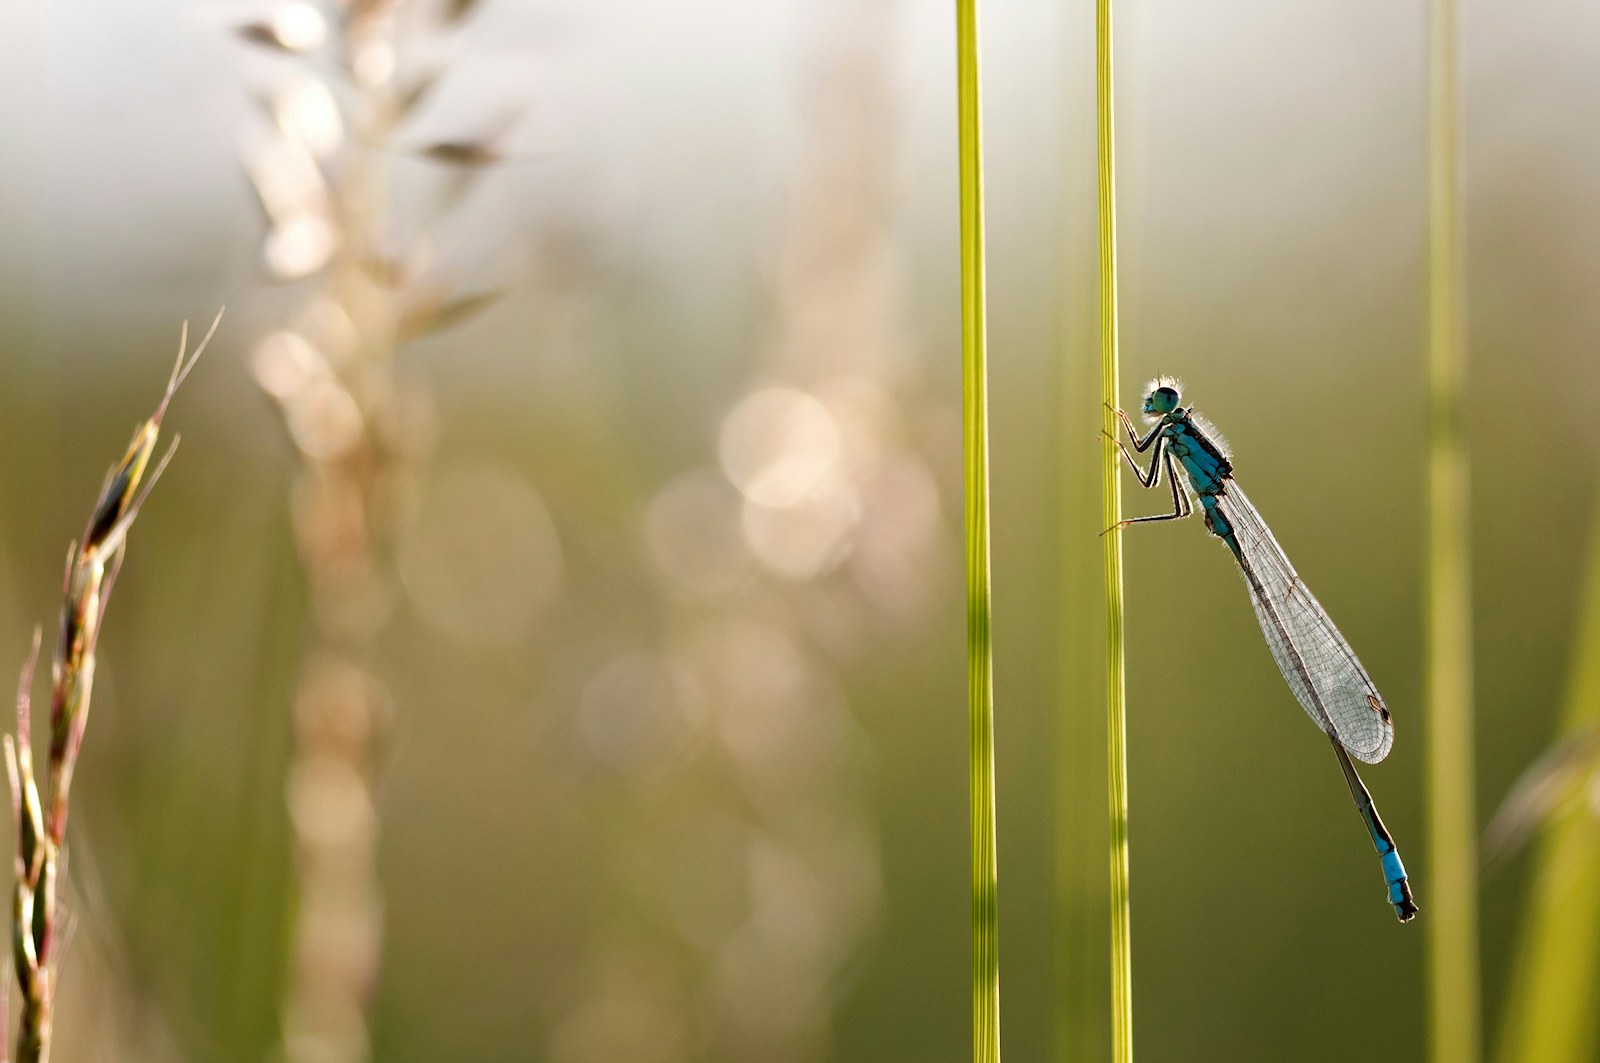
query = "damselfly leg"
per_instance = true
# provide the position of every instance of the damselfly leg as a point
(1146, 479)
(1181, 504)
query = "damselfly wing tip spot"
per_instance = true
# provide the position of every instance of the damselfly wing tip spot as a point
(1378, 707)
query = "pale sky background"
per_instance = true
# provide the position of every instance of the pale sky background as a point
(121, 193)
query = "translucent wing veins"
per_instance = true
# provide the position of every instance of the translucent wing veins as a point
(1316, 661)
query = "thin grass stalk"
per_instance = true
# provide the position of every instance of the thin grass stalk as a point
(347, 508)
(1555, 979)
(1079, 976)
(1453, 862)
(1081, 1005)
(1111, 513)
(1078, 722)
(980, 652)
(39, 927)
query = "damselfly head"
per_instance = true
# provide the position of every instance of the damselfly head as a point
(1161, 396)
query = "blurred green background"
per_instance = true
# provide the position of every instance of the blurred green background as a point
(677, 764)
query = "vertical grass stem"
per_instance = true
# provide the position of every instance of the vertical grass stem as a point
(1111, 513)
(1453, 862)
(975, 436)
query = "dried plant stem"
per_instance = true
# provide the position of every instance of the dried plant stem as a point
(1111, 513)
(363, 435)
(1453, 862)
(980, 653)
(92, 566)
(348, 501)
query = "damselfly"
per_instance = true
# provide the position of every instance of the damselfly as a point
(1314, 658)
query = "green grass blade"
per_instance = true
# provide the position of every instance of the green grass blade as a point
(1555, 980)
(1081, 1002)
(1111, 512)
(980, 654)
(1451, 904)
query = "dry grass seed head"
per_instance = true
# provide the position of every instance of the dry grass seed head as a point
(120, 495)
